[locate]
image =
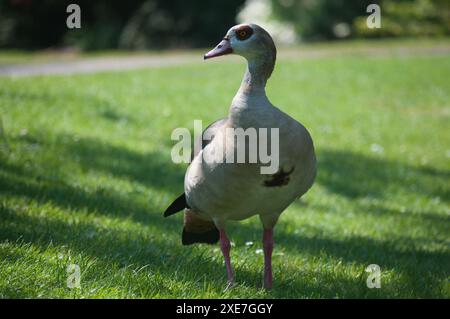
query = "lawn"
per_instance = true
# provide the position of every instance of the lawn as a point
(85, 174)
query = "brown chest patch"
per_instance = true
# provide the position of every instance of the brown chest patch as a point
(280, 178)
(198, 230)
(195, 224)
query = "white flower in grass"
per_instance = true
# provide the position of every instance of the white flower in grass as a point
(249, 244)
(259, 251)
(376, 148)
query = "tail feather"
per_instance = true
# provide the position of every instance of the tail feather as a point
(198, 230)
(178, 205)
(208, 237)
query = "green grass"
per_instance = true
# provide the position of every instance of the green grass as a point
(8, 57)
(86, 174)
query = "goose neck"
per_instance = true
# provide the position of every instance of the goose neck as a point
(256, 76)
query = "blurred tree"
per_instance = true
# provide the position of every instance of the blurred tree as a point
(329, 19)
(178, 23)
(409, 18)
(139, 24)
(321, 19)
(34, 24)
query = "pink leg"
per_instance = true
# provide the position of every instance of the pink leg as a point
(226, 246)
(268, 248)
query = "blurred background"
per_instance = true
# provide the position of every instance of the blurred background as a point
(86, 118)
(157, 24)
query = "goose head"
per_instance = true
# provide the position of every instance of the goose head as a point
(251, 42)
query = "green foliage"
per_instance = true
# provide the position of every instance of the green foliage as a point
(316, 20)
(183, 23)
(106, 23)
(87, 175)
(409, 18)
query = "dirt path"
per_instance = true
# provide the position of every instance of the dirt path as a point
(132, 61)
(92, 65)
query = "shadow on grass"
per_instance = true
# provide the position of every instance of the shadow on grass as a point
(341, 172)
(356, 175)
(161, 256)
(423, 271)
(20, 183)
(151, 169)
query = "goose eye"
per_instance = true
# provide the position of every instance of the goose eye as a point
(244, 33)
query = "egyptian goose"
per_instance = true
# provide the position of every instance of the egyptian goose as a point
(216, 191)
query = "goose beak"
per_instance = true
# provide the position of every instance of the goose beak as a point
(224, 47)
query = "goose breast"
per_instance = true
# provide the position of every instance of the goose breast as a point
(238, 191)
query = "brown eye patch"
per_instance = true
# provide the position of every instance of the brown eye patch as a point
(244, 32)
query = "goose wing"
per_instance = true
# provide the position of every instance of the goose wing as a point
(208, 134)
